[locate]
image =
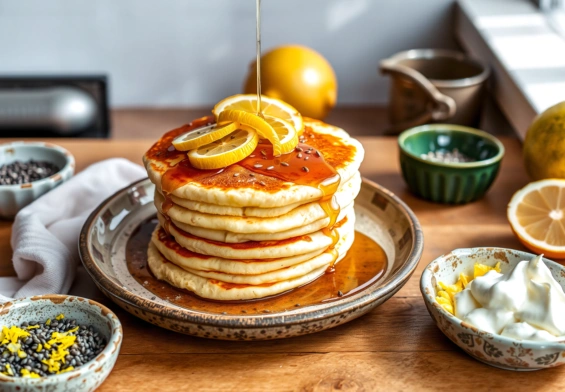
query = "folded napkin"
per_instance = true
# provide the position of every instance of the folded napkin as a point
(45, 233)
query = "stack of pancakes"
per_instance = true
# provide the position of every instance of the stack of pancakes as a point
(247, 231)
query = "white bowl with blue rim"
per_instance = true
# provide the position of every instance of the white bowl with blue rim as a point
(40, 308)
(492, 349)
(15, 197)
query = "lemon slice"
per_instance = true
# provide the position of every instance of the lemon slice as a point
(203, 135)
(250, 120)
(288, 137)
(226, 151)
(537, 216)
(269, 106)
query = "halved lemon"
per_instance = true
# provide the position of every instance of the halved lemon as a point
(288, 137)
(269, 106)
(203, 135)
(225, 151)
(537, 216)
(251, 120)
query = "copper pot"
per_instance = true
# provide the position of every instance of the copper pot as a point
(434, 85)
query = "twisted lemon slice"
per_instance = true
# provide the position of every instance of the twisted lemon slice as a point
(252, 121)
(226, 151)
(269, 107)
(286, 133)
(203, 135)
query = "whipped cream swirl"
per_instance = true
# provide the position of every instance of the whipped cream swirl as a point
(525, 304)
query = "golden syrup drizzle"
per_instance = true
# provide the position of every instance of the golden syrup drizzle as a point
(328, 202)
(334, 235)
(165, 207)
(258, 53)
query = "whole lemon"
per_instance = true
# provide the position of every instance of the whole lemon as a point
(544, 146)
(299, 76)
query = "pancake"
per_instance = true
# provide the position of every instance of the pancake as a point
(344, 195)
(186, 259)
(236, 238)
(215, 289)
(300, 216)
(237, 186)
(251, 249)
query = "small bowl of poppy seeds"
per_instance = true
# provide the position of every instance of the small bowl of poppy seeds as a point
(29, 170)
(57, 343)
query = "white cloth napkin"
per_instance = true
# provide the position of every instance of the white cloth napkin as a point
(45, 233)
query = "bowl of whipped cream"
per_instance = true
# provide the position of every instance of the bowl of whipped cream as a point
(503, 307)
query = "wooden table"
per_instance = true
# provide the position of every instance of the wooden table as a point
(395, 347)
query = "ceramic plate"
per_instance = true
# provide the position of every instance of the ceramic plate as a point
(380, 215)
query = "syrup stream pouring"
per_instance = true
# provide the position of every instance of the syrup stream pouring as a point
(258, 49)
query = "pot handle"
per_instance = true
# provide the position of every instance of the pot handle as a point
(444, 106)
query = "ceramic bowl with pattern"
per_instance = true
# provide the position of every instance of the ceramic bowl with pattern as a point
(87, 377)
(380, 215)
(492, 349)
(15, 197)
(449, 182)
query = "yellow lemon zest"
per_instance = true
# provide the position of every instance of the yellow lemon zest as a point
(48, 322)
(464, 280)
(443, 301)
(446, 293)
(13, 347)
(63, 340)
(452, 289)
(72, 330)
(32, 327)
(482, 269)
(27, 373)
(9, 371)
(59, 345)
(12, 334)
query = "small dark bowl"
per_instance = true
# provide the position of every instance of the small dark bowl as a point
(453, 182)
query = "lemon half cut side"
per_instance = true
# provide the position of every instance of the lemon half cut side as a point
(537, 216)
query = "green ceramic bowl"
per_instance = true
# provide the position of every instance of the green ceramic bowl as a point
(453, 183)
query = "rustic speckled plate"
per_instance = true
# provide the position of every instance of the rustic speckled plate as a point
(379, 214)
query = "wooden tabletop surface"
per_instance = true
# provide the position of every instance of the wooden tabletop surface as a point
(394, 347)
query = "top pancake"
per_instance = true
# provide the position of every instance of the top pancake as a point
(237, 186)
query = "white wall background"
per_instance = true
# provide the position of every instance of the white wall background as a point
(195, 52)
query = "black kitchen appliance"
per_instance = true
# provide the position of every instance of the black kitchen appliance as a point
(54, 106)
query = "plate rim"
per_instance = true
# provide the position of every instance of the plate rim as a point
(293, 317)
